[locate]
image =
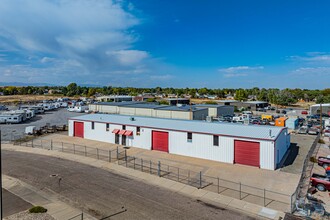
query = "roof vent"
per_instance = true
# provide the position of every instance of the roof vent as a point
(132, 119)
(270, 133)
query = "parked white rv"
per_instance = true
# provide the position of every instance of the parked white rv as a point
(11, 118)
(30, 130)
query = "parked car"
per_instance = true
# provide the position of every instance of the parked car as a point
(326, 132)
(283, 111)
(313, 131)
(261, 110)
(303, 130)
(304, 112)
(321, 182)
(323, 162)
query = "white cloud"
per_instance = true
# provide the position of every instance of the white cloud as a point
(161, 77)
(128, 57)
(82, 38)
(46, 60)
(313, 57)
(230, 75)
(240, 68)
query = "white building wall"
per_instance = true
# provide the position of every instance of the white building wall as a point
(70, 128)
(200, 147)
(126, 111)
(213, 112)
(282, 145)
(267, 155)
(163, 114)
(181, 115)
(143, 112)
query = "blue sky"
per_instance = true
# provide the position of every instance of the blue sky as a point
(148, 43)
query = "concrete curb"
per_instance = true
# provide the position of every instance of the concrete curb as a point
(57, 209)
(189, 191)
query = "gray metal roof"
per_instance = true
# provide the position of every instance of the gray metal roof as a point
(255, 102)
(117, 103)
(183, 108)
(225, 129)
(228, 100)
(211, 106)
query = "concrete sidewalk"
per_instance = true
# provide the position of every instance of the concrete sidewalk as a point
(57, 209)
(200, 194)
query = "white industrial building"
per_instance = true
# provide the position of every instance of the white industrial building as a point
(114, 98)
(316, 109)
(217, 110)
(259, 146)
(151, 110)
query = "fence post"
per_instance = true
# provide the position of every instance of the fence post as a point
(178, 174)
(150, 167)
(85, 151)
(82, 216)
(265, 197)
(74, 149)
(32, 143)
(109, 156)
(51, 144)
(218, 185)
(42, 146)
(134, 162)
(125, 158)
(97, 152)
(158, 170)
(200, 179)
(240, 190)
(62, 146)
(141, 164)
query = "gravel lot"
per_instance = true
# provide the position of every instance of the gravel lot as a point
(56, 117)
(102, 193)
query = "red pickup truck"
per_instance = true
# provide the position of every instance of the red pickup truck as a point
(323, 161)
(322, 183)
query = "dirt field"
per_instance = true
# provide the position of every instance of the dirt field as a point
(12, 99)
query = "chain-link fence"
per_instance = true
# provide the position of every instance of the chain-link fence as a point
(304, 182)
(111, 155)
(241, 191)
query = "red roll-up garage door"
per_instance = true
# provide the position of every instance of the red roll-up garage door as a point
(160, 141)
(79, 129)
(247, 153)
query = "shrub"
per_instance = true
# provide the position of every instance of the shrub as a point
(37, 209)
(313, 159)
(321, 141)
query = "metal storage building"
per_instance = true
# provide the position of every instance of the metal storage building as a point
(217, 110)
(259, 146)
(316, 109)
(150, 110)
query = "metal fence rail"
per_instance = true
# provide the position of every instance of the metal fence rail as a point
(301, 190)
(112, 155)
(260, 196)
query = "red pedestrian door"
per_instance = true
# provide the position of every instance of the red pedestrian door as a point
(160, 141)
(78, 129)
(247, 153)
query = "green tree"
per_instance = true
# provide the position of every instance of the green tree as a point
(241, 95)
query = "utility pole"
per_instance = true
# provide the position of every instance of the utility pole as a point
(321, 122)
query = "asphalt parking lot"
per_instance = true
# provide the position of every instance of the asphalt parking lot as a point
(56, 117)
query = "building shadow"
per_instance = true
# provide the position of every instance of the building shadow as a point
(291, 155)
